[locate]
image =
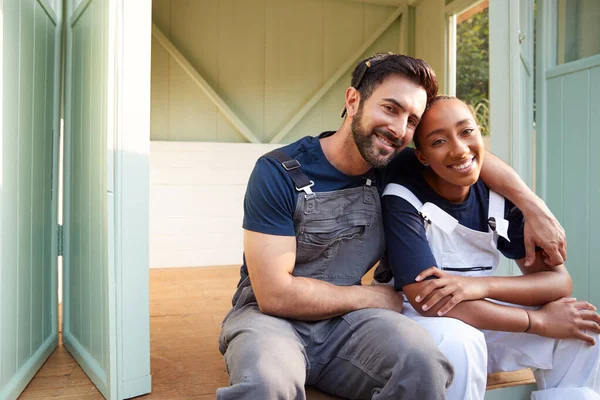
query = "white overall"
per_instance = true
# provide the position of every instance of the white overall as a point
(564, 369)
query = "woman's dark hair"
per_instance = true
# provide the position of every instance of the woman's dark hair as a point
(372, 71)
(437, 99)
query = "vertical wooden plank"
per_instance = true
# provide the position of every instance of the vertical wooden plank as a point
(161, 15)
(104, 176)
(293, 62)
(49, 202)
(343, 33)
(576, 189)
(160, 93)
(389, 41)
(25, 175)
(430, 37)
(241, 36)
(159, 128)
(37, 183)
(554, 139)
(98, 149)
(75, 207)
(594, 185)
(10, 158)
(191, 114)
(85, 188)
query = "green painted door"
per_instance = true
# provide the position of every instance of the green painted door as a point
(86, 303)
(568, 121)
(106, 318)
(29, 123)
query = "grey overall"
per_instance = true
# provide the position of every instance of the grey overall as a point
(369, 353)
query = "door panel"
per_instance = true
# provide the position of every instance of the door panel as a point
(30, 106)
(573, 183)
(568, 100)
(86, 328)
(107, 132)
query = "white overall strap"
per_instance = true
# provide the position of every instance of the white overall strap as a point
(496, 211)
(429, 211)
(439, 217)
(394, 189)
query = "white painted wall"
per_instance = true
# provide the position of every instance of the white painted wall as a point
(196, 201)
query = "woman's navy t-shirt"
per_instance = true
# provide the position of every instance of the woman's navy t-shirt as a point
(407, 250)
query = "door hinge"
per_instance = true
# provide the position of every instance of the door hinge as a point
(60, 240)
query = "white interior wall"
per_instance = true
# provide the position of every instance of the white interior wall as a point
(196, 201)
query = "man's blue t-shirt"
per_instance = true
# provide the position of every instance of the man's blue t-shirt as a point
(407, 250)
(271, 196)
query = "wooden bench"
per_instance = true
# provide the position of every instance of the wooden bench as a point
(498, 380)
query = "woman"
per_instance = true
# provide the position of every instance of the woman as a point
(445, 231)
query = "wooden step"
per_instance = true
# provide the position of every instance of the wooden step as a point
(508, 379)
(495, 381)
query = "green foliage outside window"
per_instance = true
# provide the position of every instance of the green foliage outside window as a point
(472, 65)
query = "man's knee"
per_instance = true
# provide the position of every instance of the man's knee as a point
(265, 366)
(410, 352)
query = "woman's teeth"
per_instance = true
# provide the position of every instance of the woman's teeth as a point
(462, 166)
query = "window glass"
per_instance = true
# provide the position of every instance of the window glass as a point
(578, 29)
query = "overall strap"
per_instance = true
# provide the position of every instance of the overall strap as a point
(292, 166)
(496, 219)
(394, 189)
(428, 211)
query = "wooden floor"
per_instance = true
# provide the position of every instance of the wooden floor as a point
(186, 309)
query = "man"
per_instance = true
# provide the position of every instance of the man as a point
(312, 228)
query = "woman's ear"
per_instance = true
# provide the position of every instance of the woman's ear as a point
(352, 101)
(421, 158)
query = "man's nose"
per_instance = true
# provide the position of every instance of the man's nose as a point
(399, 129)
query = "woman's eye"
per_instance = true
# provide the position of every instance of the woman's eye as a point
(467, 131)
(437, 142)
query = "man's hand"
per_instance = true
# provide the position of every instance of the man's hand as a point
(461, 288)
(384, 296)
(542, 229)
(565, 318)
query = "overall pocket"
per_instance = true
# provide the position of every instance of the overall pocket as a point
(321, 238)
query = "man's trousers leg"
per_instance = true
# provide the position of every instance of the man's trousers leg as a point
(264, 355)
(382, 355)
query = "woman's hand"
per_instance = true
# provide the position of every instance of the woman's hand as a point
(460, 288)
(565, 318)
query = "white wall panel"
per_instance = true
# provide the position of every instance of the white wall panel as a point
(196, 202)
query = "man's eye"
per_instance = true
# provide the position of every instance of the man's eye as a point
(467, 131)
(412, 122)
(389, 109)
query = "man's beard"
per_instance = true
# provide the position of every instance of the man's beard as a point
(366, 147)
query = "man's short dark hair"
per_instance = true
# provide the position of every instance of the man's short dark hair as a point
(372, 71)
